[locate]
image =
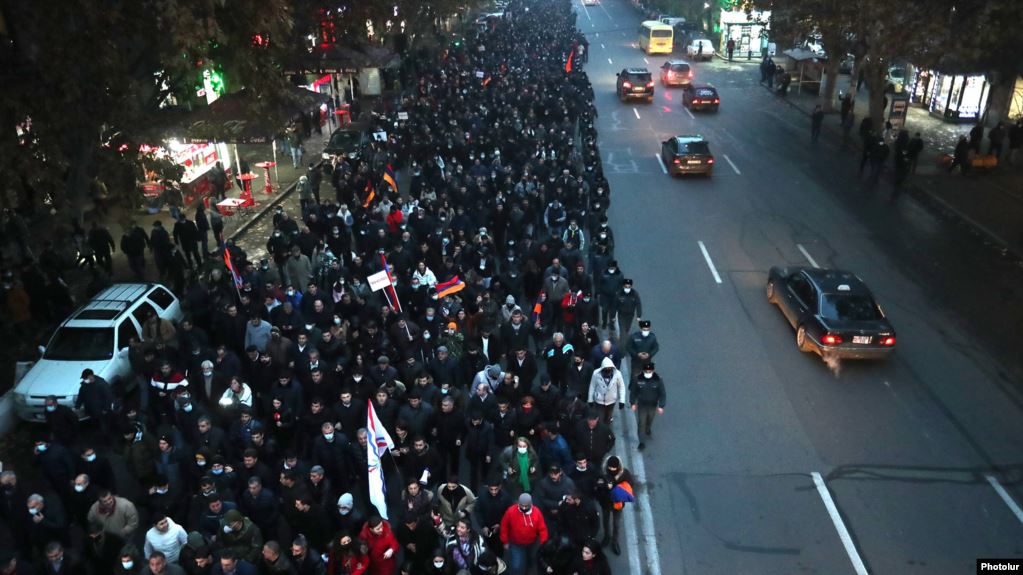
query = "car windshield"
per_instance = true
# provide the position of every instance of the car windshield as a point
(660, 33)
(639, 78)
(81, 344)
(849, 307)
(695, 148)
(344, 140)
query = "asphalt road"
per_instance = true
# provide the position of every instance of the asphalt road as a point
(903, 447)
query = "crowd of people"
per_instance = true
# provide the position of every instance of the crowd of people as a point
(494, 360)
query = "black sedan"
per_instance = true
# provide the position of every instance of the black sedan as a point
(346, 142)
(833, 313)
(702, 97)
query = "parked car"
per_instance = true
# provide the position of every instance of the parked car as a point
(96, 337)
(346, 142)
(676, 73)
(833, 312)
(702, 97)
(591, 2)
(688, 154)
(635, 83)
(700, 49)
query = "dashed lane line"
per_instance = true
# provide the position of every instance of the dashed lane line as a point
(1009, 501)
(731, 163)
(807, 255)
(710, 262)
(836, 518)
(635, 111)
(660, 162)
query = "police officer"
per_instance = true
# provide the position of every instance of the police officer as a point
(627, 305)
(647, 397)
(641, 346)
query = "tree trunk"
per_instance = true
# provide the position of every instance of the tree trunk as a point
(998, 100)
(874, 77)
(830, 83)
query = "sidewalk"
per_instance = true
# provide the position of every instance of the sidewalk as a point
(989, 201)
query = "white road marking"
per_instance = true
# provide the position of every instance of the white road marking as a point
(710, 263)
(609, 61)
(661, 162)
(635, 111)
(737, 172)
(602, 46)
(813, 262)
(645, 60)
(843, 533)
(646, 516)
(691, 116)
(1005, 497)
(585, 11)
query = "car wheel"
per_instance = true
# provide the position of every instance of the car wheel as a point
(770, 293)
(803, 342)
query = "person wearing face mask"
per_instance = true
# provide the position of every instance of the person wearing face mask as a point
(608, 286)
(61, 421)
(101, 549)
(520, 466)
(55, 462)
(647, 396)
(642, 346)
(97, 467)
(80, 499)
(607, 387)
(241, 536)
(628, 306)
(523, 530)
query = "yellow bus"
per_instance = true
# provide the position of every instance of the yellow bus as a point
(655, 37)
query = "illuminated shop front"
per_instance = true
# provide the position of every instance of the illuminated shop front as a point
(956, 98)
(196, 159)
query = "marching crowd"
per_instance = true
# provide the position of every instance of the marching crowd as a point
(494, 359)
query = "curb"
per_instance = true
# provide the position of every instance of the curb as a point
(266, 208)
(941, 208)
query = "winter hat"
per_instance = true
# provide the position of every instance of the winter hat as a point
(196, 540)
(525, 499)
(509, 300)
(346, 501)
(494, 371)
(233, 516)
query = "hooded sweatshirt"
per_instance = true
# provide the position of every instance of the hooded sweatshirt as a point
(607, 391)
(170, 543)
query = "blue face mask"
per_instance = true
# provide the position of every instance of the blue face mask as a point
(187, 407)
(91, 457)
(217, 471)
(51, 408)
(41, 448)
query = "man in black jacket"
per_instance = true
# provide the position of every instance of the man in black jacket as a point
(488, 511)
(134, 243)
(647, 396)
(593, 438)
(186, 236)
(96, 399)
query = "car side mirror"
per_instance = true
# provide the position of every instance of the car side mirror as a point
(42, 349)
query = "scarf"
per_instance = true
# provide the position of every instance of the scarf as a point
(524, 471)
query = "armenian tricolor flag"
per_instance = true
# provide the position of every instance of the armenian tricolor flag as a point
(370, 194)
(390, 178)
(452, 286)
(622, 494)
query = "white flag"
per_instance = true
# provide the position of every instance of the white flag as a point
(378, 441)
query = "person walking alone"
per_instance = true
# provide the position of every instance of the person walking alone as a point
(816, 120)
(647, 397)
(913, 149)
(961, 156)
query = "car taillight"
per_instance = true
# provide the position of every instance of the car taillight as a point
(831, 339)
(697, 101)
(888, 341)
(626, 84)
(710, 160)
(677, 161)
(690, 73)
(671, 74)
(716, 100)
(650, 84)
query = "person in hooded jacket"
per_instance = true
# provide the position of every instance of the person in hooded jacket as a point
(607, 387)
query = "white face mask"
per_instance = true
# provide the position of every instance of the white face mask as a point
(227, 529)
(522, 449)
(648, 375)
(127, 565)
(627, 290)
(438, 564)
(34, 511)
(79, 488)
(645, 332)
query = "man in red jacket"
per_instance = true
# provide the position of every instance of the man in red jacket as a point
(523, 530)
